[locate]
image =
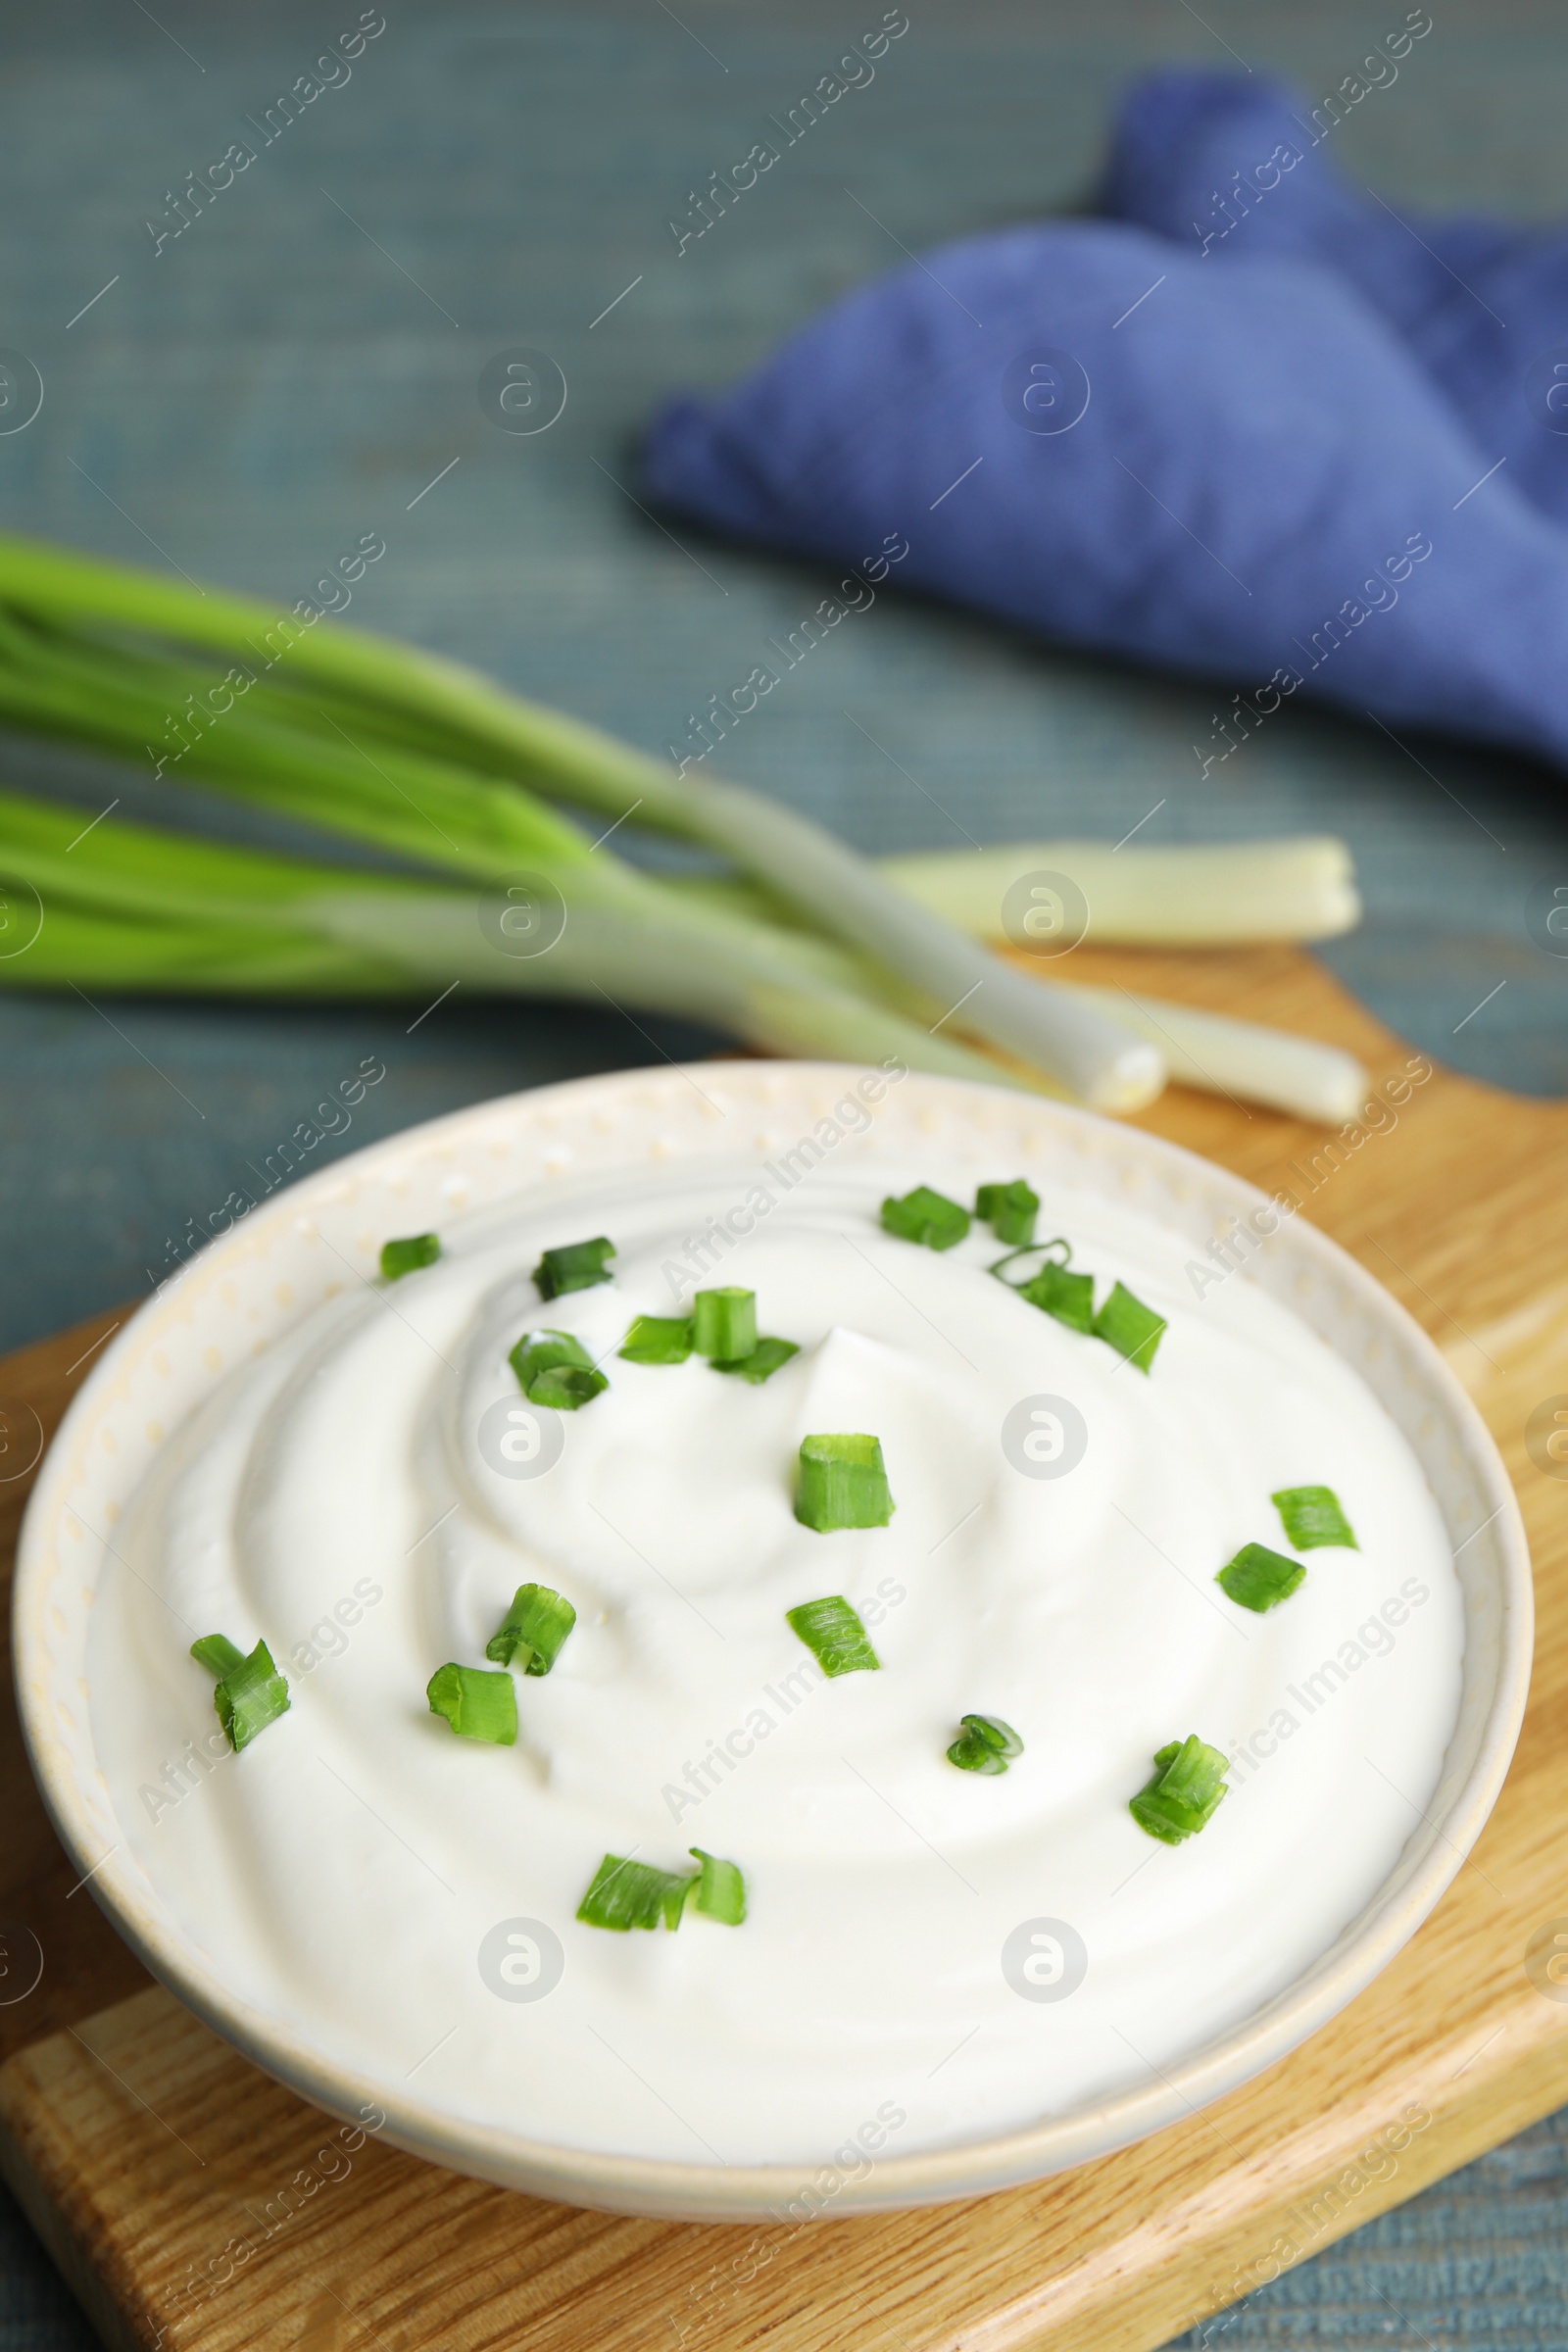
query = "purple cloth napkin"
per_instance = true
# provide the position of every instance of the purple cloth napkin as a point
(1229, 166)
(1264, 465)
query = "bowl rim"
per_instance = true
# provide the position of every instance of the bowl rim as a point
(667, 2188)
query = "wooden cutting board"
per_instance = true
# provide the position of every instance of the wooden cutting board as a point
(191, 2201)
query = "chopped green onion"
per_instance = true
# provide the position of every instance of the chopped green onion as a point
(541, 1351)
(926, 1217)
(533, 1630)
(1040, 1250)
(478, 1705)
(408, 1256)
(575, 1266)
(1133, 1329)
(985, 1743)
(1313, 1516)
(1123, 1322)
(628, 1894)
(658, 1340)
(1188, 1786)
(724, 1325)
(1259, 1578)
(249, 1692)
(842, 1483)
(1009, 1210)
(218, 1653)
(633, 1895)
(563, 1387)
(1070, 1297)
(834, 1636)
(763, 1361)
(557, 1370)
(718, 1889)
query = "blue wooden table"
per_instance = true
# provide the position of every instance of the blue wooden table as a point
(299, 365)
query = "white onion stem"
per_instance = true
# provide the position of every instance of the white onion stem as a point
(1186, 894)
(1242, 1059)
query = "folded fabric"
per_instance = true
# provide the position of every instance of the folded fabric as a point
(1101, 434)
(1232, 165)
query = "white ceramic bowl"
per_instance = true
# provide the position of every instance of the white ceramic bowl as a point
(252, 1285)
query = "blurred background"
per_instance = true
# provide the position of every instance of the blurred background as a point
(300, 370)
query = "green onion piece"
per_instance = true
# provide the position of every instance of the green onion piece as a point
(834, 1636)
(842, 1483)
(985, 1743)
(565, 1387)
(724, 1325)
(1259, 1578)
(1009, 1210)
(633, 1895)
(927, 1217)
(576, 1266)
(1070, 1297)
(718, 1889)
(1313, 1516)
(249, 1694)
(1187, 1787)
(533, 1630)
(555, 1370)
(478, 1705)
(763, 1361)
(1133, 1329)
(541, 1351)
(217, 1653)
(1040, 1250)
(658, 1340)
(408, 1256)
(924, 1217)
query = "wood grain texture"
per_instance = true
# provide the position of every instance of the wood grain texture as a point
(85, 1963)
(192, 2201)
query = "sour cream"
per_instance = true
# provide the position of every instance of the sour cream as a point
(930, 1955)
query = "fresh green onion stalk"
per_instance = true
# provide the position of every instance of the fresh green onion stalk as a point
(427, 758)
